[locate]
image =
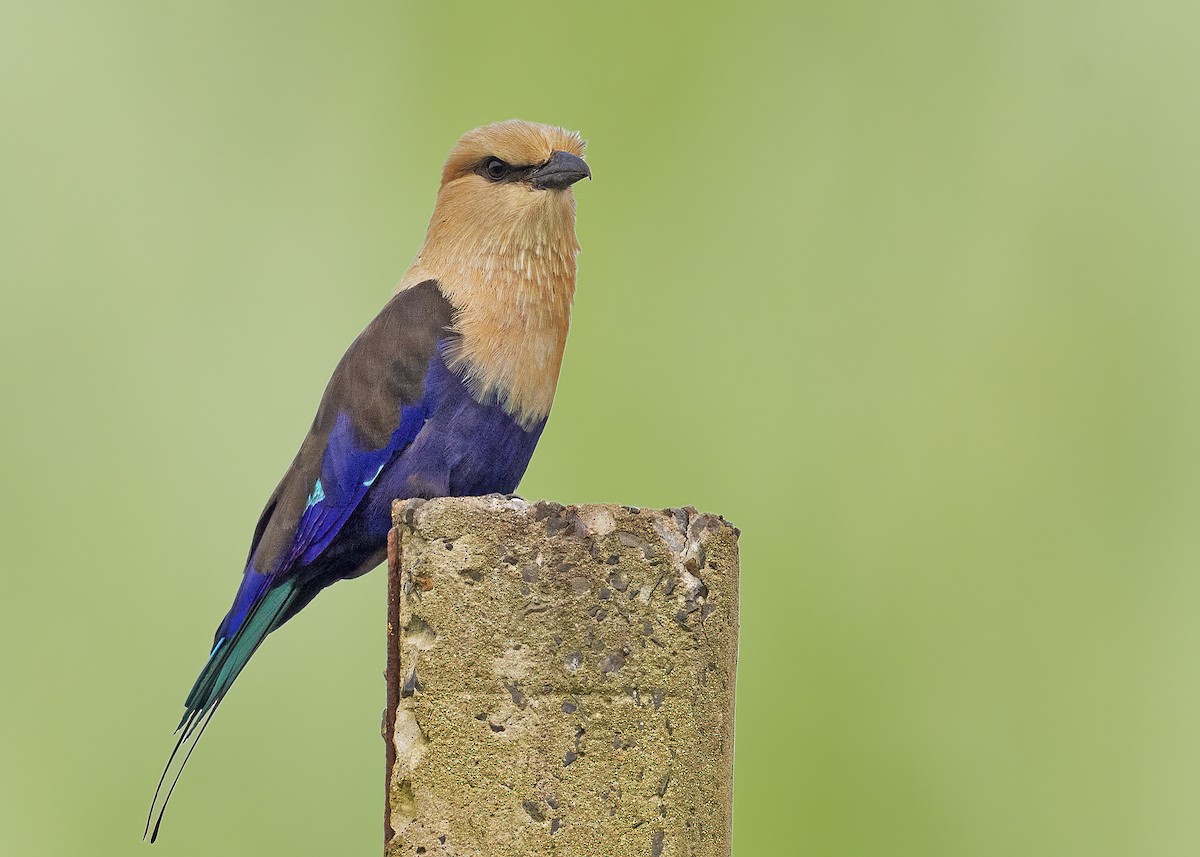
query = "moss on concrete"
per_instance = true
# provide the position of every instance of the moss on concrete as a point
(565, 680)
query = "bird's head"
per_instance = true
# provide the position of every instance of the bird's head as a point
(515, 161)
(501, 245)
(505, 203)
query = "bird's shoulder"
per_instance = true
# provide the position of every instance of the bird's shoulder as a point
(387, 363)
(369, 412)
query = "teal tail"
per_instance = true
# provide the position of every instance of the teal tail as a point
(228, 658)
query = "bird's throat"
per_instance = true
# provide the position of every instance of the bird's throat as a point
(512, 289)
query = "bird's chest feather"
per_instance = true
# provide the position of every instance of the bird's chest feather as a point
(465, 446)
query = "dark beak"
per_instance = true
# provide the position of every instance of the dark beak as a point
(562, 170)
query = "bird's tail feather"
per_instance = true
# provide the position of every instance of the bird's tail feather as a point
(228, 659)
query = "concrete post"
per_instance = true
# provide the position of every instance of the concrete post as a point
(560, 680)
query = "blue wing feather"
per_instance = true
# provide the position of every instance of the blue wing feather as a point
(347, 474)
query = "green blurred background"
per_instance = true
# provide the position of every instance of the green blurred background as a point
(906, 291)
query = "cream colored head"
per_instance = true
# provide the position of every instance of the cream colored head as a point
(518, 143)
(501, 243)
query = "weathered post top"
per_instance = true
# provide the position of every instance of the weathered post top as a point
(560, 680)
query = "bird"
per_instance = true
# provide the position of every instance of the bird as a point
(444, 393)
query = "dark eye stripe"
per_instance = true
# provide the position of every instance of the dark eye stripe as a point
(495, 170)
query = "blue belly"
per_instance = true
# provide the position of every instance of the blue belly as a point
(465, 448)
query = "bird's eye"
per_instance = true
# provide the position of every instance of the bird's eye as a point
(495, 169)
